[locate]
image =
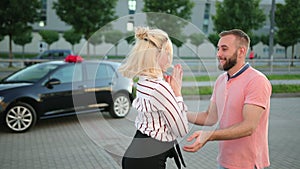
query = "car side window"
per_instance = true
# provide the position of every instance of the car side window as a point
(104, 72)
(99, 72)
(69, 74)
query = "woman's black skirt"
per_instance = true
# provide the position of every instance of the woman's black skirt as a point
(148, 153)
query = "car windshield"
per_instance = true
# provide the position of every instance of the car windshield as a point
(31, 74)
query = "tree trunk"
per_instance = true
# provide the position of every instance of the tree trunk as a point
(285, 51)
(88, 49)
(116, 50)
(10, 50)
(292, 60)
(94, 50)
(23, 51)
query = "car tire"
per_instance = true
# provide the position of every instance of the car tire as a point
(20, 117)
(121, 105)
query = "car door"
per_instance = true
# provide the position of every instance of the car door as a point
(104, 75)
(59, 98)
(98, 85)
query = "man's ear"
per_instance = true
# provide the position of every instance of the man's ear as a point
(242, 51)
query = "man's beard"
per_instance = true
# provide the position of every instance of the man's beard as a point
(229, 63)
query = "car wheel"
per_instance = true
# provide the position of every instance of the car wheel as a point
(120, 106)
(20, 117)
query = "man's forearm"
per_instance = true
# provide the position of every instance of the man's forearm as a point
(234, 132)
(201, 118)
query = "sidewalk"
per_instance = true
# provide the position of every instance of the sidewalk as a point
(94, 141)
(211, 83)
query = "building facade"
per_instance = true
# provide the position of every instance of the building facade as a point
(130, 14)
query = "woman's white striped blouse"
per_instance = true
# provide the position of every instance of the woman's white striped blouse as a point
(161, 115)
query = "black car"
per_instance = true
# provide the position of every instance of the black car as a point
(59, 88)
(52, 54)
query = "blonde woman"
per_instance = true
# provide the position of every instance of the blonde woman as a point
(161, 115)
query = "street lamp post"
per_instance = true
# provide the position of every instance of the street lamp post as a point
(271, 39)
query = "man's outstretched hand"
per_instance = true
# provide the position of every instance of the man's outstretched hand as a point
(200, 137)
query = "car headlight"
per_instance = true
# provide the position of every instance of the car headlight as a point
(1, 98)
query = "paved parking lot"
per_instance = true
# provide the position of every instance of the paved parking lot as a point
(98, 141)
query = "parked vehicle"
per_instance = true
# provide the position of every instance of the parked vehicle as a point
(59, 88)
(53, 54)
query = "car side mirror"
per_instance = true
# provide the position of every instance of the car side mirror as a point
(51, 82)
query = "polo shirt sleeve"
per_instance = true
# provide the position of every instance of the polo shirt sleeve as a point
(258, 91)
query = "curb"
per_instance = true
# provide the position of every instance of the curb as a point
(283, 95)
(274, 95)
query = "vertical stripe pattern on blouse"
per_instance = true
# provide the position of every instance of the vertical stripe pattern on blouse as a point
(161, 115)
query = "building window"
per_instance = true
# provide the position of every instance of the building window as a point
(130, 26)
(43, 19)
(206, 17)
(280, 51)
(132, 9)
(131, 6)
(205, 29)
(266, 50)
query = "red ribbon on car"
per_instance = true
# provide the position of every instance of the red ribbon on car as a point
(73, 58)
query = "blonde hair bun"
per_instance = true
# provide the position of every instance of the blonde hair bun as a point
(141, 33)
(143, 59)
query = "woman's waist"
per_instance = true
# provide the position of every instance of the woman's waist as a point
(158, 134)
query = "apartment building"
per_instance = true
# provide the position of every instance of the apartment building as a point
(130, 14)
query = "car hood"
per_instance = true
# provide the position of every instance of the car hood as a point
(13, 85)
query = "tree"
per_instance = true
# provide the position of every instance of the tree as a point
(283, 40)
(23, 39)
(86, 16)
(15, 18)
(178, 41)
(49, 36)
(265, 39)
(214, 39)
(197, 39)
(96, 39)
(169, 16)
(254, 39)
(72, 37)
(180, 8)
(129, 37)
(287, 21)
(245, 15)
(113, 37)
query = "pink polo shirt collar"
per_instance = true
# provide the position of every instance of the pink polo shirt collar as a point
(245, 67)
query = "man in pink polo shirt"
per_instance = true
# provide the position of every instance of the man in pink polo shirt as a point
(239, 105)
